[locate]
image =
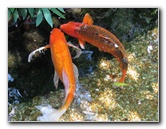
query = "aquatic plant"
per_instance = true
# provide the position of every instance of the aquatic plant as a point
(37, 13)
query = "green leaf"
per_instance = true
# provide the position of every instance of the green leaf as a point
(15, 15)
(23, 12)
(57, 12)
(47, 16)
(9, 15)
(12, 9)
(39, 18)
(120, 84)
(31, 12)
(61, 9)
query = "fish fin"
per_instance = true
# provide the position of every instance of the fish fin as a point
(82, 43)
(56, 80)
(37, 50)
(105, 37)
(88, 19)
(123, 76)
(99, 49)
(76, 73)
(66, 83)
(78, 50)
(49, 113)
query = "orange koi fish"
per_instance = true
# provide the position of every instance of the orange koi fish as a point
(64, 70)
(99, 37)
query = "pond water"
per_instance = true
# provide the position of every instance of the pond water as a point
(96, 98)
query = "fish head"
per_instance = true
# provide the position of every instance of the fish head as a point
(56, 36)
(71, 28)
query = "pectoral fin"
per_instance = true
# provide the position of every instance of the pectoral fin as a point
(82, 43)
(56, 80)
(88, 19)
(78, 51)
(37, 50)
(105, 37)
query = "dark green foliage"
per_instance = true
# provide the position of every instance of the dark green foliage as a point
(31, 12)
(58, 12)
(39, 13)
(47, 16)
(22, 12)
(15, 15)
(39, 17)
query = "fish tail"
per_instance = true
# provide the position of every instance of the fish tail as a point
(49, 113)
(123, 66)
(57, 114)
(123, 76)
(70, 87)
(68, 100)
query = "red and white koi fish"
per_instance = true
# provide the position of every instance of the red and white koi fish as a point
(99, 37)
(65, 70)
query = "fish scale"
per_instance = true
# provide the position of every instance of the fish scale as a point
(93, 36)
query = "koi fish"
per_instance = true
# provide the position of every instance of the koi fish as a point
(99, 37)
(65, 70)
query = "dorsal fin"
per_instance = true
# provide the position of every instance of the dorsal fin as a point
(88, 19)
